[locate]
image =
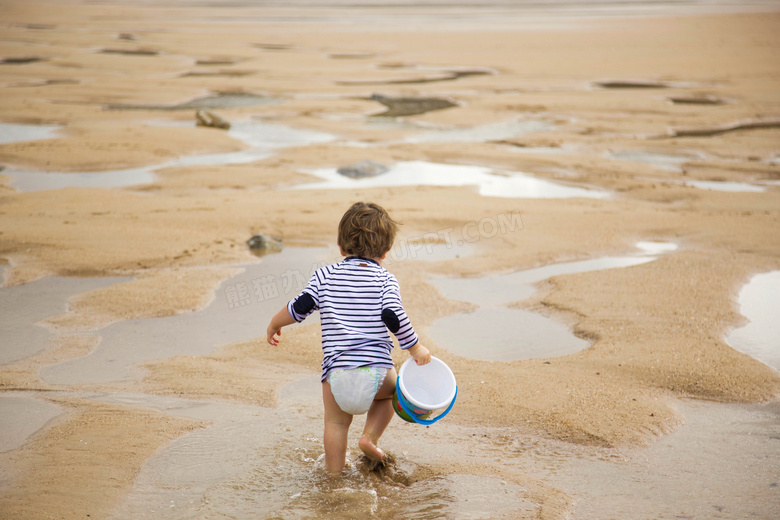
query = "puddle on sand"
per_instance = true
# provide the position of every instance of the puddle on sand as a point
(759, 301)
(421, 173)
(495, 332)
(22, 417)
(721, 463)
(734, 187)
(261, 137)
(244, 465)
(430, 247)
(220, 100)
(236, 314)
(482, 133)
(661, 161)
(239, 312)
(13, 133)
(22, 306)
(675, 162)
(542, 150)
(38, 181)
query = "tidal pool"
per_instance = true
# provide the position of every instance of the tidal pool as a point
(481, 133)
(253, 462)
(496, 332)
(759, 301)
(262, 139)
(734, 187)
(23, 306)
(240, 311)
(14, 133)
(661, 161)
(488, 182)
(23, 415)
(218, 100)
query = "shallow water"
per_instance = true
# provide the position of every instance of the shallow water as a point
(407, 15)
(722, 463)
(661, 161)
(431, 247)
(495, 332)
(262, 138)
(223, 100)
(23, 306)
(482, 133)
(734, 187)
(759, 301)
(13, 133)
(22, 417)
(421, 173)
(543, 150)
(40, 181)
(253, 462)
(239, 312)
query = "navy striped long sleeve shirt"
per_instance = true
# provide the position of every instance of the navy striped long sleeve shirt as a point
(359, 302)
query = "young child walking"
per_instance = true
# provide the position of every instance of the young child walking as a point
(359, 302)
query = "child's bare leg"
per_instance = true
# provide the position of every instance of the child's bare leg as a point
(337, 423)
(379, 416)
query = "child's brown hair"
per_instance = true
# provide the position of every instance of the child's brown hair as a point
(366, 230)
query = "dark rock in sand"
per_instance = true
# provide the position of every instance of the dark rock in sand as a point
(21, 60)
(464, 72)
(273, 46)
(702, 99)
(630, 83)
(431, 77)
(215, 61)
(263, 244)
(351, 55)
(362, 169)
(211, 120)
(406, 106)
(131, 52)
(707, 131)
(218, 73)
(44, 83)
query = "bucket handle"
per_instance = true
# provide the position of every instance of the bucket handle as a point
(426, 421)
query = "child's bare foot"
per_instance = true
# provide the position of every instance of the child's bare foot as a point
(383, 468)
(370, 449)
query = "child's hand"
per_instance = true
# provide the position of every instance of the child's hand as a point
(420, 354)
(274, 335)
(281, 319)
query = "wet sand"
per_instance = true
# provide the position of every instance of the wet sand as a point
(137, 373)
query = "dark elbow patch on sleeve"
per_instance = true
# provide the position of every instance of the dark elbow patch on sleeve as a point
(304, 304)
(391, 320)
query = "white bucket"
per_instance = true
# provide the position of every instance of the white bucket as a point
(423, 390)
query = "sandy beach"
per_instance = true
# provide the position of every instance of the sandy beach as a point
(584, 196)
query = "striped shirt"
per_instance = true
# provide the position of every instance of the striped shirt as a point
(359, 301)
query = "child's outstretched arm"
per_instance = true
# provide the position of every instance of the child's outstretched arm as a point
(420, 354)
(280, 319)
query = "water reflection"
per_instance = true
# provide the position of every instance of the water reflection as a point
(13, 133)
(421, 173)
(759, 301)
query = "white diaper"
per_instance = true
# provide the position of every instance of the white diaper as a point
(355, 388)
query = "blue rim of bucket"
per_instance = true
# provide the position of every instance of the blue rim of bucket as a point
(403, 404)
